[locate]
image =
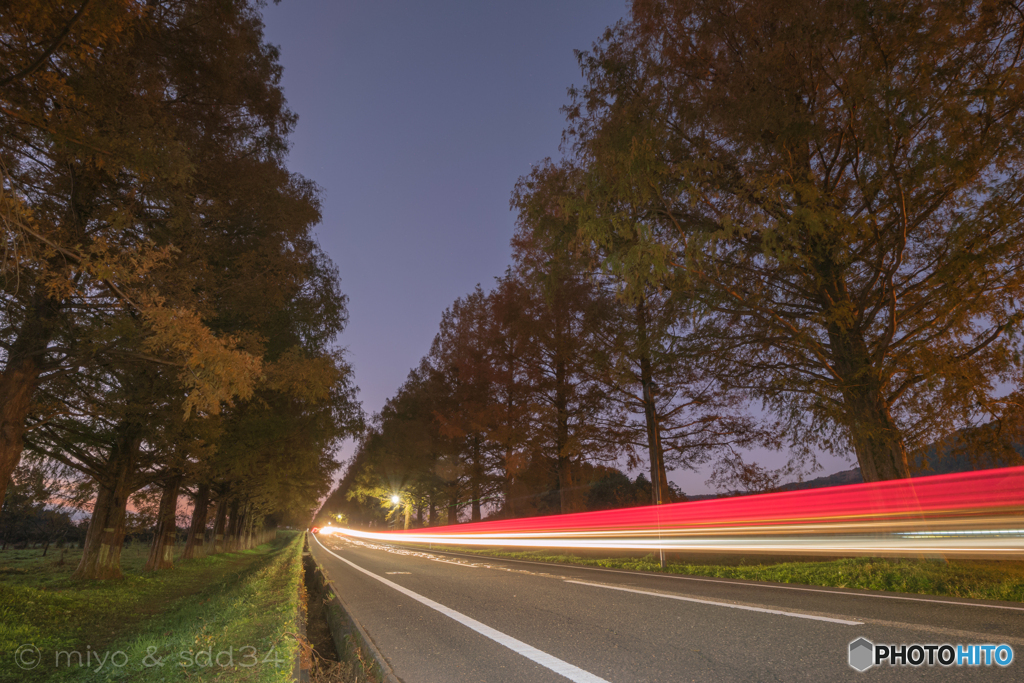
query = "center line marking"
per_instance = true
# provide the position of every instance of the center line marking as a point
(718, 604)
(563, 668)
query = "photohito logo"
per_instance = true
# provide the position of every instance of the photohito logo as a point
(864, 654)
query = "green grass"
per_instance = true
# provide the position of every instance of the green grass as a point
(246, 601)
(981, 579)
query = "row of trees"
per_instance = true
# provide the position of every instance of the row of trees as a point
(167, 318)
(530, 392)
(814, 206)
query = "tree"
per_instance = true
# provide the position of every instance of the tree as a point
(656, 365)
(100, 146)
(469, 413)
(509, 344)
(143, 290)
(645, 350)
(573, 418)
(31, 511)
(407, 454)
(839, 186)
(734, 474)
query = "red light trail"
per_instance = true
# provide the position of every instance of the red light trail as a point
(974, 514)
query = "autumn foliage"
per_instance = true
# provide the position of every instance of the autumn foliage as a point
(164, 299)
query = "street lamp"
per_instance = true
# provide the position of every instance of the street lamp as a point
(395, 500)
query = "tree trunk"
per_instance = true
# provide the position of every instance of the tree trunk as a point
(453, 509)
(244, 527)
(194, 544)
(507, 481)
(243, 520)
(248, 519)
(476, 477)
(18, 383)
(432, 512)
(17, 387)
(101, 558)
(875, 438)
(220, 524)
(568, 495)
(231, 535)
(161, 553)
(660, 492)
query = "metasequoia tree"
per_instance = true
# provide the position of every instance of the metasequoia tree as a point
(469, 412)
(109, 447)
(274, 453)
(839, 185)
(124, 431)
(158, 294)
(508, 343)
(195, 541)
(101, 141)
(573, 419)
(646, 350)
(655, 366)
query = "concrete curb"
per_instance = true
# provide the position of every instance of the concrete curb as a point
(346, 632)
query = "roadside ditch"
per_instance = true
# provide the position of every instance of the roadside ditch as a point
(341, 650)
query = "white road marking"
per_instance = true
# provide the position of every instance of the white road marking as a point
(717, 604)
(551, 662)
(398, 572)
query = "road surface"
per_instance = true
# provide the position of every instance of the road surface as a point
(448, 617)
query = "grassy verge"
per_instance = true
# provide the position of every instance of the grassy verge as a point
(982, 579)
(226, 617)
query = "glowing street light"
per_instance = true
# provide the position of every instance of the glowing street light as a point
(395, 500)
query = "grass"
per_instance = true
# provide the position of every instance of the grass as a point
(980, 579)
(239, 606)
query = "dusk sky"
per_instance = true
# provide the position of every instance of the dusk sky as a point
(416, 119)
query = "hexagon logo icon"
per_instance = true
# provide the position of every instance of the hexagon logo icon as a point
(862, 654)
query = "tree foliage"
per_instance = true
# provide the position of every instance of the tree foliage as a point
(168, 319)
(839, 186)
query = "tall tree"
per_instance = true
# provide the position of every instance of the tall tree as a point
(175, 298)
(841, 185)
(469, 413)
(572, 413)
(509, 343)
(101, 147)
(647, 350)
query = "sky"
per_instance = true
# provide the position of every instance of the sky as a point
(416, 118)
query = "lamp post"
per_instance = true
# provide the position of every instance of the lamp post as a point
(396, 500)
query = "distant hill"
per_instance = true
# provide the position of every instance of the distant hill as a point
(837, 479)
(944, 458)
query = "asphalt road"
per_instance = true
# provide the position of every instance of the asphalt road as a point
(441, 617)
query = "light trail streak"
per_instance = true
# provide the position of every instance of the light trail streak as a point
(974, 515)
